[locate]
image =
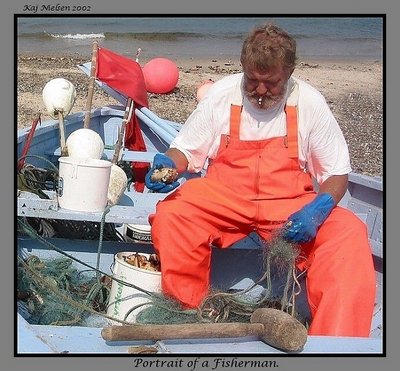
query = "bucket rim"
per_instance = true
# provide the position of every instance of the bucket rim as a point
(142, 228)
(118, 257)
(88, 162)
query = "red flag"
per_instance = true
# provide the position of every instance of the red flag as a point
(125, 76)
(122, 74)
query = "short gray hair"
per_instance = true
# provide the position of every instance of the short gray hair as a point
(268, 46)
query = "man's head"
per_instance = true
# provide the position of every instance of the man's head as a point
(268, 59)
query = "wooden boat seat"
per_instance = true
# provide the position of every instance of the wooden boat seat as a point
(127, 155)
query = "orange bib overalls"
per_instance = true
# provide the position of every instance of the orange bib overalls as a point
(254, 186)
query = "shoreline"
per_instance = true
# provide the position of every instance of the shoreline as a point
(352, 88)
(205, 58)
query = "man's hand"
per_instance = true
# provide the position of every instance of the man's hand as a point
(160, 161)
(302, 226)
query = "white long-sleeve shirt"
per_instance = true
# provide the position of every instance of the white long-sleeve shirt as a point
(322, 148)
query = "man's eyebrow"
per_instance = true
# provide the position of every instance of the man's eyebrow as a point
(271, 80)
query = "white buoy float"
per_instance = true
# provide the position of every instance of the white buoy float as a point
(117, 185)
(59, 97)
(85, 143)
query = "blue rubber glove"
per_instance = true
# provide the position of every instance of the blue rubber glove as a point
(160, 161)
(302, 226)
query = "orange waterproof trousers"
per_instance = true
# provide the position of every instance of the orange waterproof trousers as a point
(254, 186)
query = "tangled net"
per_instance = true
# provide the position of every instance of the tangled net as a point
(279, 257)
(74, 295)
(58, 294)
(279, 260)
(54, 292)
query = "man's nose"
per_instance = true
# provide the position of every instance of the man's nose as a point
(261, 88)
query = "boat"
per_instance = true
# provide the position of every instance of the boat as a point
(130, 217)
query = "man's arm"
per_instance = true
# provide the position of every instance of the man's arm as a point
(336, 186)
(179, 159)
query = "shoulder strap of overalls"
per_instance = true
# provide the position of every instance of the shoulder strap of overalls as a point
(235, 121)
(236, 110)
(291, 119)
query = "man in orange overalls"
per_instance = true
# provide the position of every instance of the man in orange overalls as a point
(265, 135)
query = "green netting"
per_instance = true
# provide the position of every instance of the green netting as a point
(55, 292)
(163, 310)
(279, 262)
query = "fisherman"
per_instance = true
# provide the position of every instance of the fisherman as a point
(265, 136)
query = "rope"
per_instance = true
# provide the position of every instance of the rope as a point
(41, 158)
(97, 289)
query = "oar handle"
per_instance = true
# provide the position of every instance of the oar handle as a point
(186, 331)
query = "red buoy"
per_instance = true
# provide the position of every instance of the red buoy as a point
(160, 75)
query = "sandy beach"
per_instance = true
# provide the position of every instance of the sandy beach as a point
(353, 90)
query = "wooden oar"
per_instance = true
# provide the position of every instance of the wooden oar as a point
(92, 78)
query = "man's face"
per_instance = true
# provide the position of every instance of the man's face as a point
(265, 89)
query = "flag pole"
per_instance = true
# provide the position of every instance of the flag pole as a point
(91, 85)
(121, 132)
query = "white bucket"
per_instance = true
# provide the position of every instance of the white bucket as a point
(138, 232)
(123, 297)
(83, 184)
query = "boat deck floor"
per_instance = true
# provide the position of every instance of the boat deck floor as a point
(62, 339)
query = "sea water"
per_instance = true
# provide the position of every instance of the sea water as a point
(341, 37)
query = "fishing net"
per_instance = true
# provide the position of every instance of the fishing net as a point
(57, 293)
(163, 310)
(279, 257)
(54, 292)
